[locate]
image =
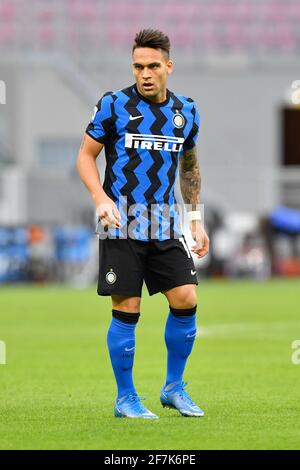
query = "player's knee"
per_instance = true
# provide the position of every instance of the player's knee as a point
(126, 304)
(185, 298)
(186, 303)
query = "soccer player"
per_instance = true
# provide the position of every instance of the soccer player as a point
(148, 133)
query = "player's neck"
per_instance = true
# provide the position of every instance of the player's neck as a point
(160, 98)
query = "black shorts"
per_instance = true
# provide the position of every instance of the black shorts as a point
(125, 263)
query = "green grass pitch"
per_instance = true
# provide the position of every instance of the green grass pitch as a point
(57, 389)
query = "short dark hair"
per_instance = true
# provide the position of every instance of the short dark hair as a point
(152, 38)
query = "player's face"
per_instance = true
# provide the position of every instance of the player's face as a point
(151, 68)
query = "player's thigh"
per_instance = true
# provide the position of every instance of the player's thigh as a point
(182, 296)
(170, 265)
(126, 304)
(121, 268)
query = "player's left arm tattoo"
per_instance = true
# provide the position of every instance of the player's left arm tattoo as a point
(190, 178)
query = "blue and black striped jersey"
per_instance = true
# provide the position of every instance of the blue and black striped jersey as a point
(143, 143)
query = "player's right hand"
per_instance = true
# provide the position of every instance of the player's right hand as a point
(200, 236)
(108, 213)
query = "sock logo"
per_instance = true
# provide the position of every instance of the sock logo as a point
(128, 353)
(111, 277)
(191, 336)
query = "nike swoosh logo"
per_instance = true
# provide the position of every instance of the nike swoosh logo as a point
(193, 273)
(132, 118)
(129, 349)
(191, 336)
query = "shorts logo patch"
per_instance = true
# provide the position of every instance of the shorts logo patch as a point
(111, 277)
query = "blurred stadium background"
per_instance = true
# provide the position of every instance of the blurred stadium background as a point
(237, 59)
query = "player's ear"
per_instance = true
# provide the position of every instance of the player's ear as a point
(170, 66)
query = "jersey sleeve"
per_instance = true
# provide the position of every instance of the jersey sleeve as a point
(192, 138)
(102, 120)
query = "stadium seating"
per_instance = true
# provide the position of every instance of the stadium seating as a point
(28, 253)
(13, 254)
(209, 24)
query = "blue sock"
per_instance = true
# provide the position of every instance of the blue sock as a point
(121, 346)
(180, 334)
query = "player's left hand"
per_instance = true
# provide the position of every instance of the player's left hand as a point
(200, 236)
